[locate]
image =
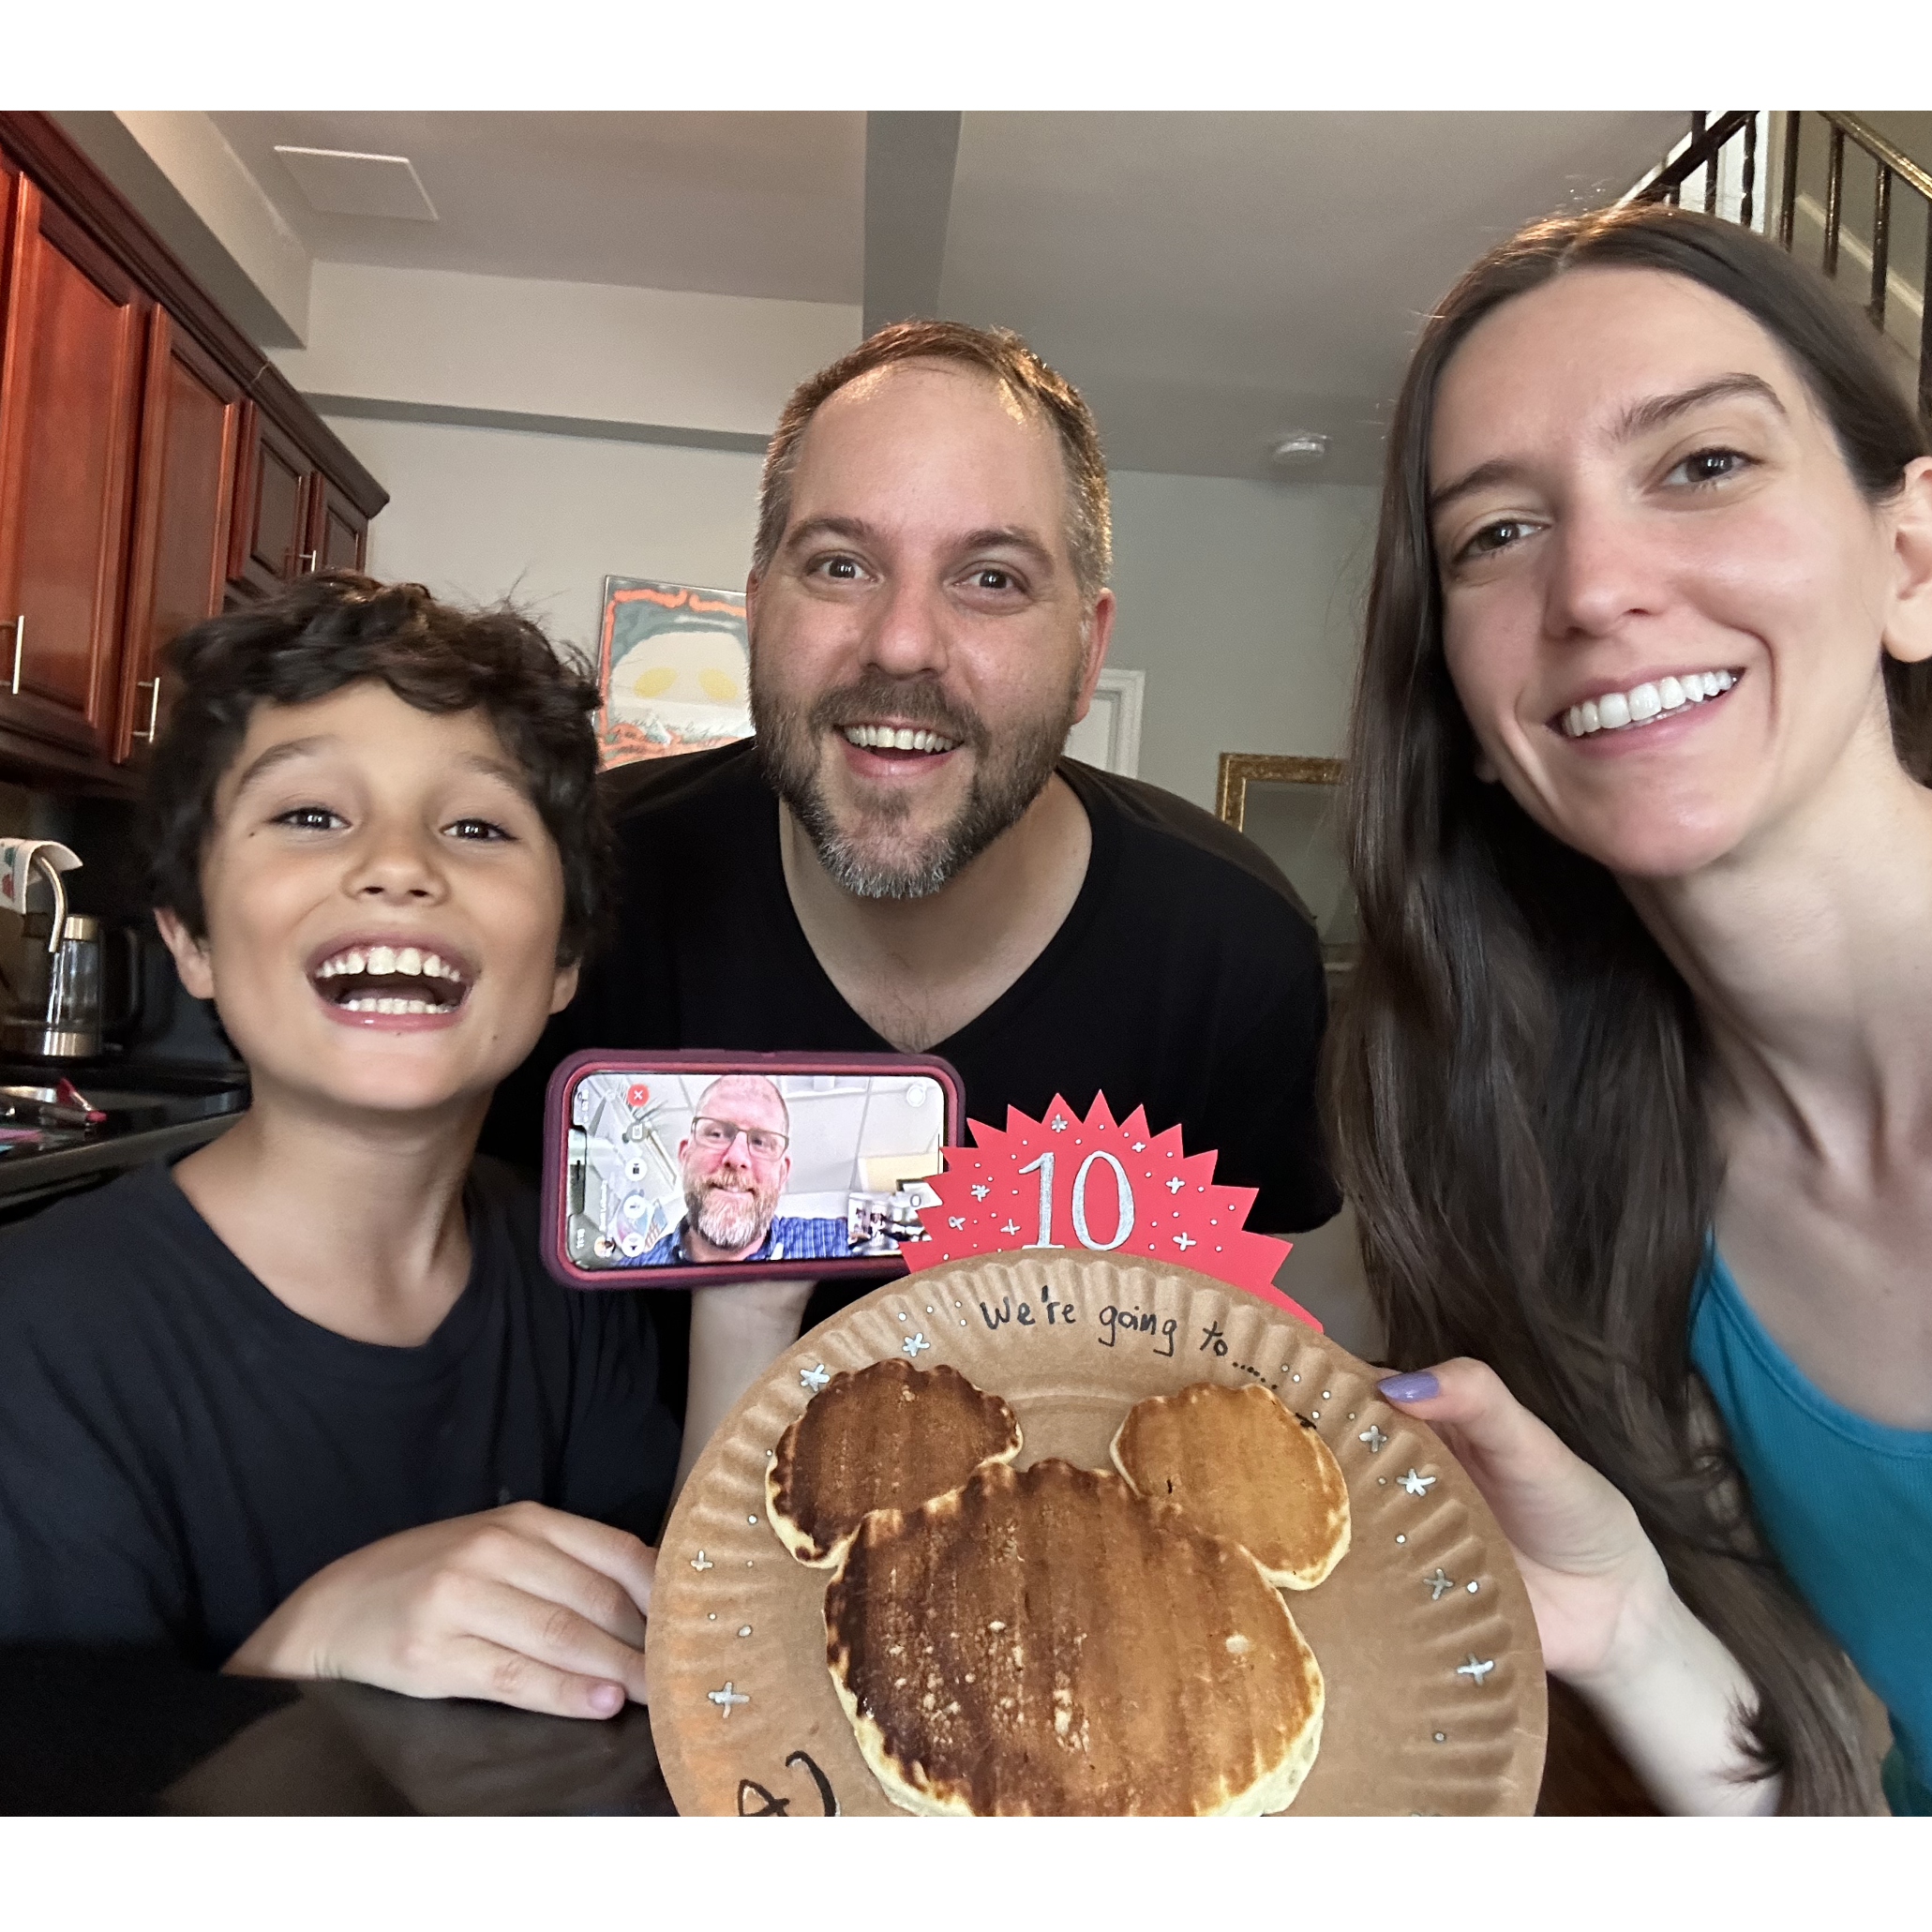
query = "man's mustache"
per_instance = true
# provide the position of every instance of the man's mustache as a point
(917, 702)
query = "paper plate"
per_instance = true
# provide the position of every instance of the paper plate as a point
(1435, 1694)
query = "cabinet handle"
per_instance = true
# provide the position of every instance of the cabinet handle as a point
(153, 687)
(19, 638)
(307, 559)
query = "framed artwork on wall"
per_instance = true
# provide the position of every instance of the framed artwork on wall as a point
(1287, 806)
(672, 666)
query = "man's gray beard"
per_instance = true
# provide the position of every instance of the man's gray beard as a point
(996, 801)
(723, 1224)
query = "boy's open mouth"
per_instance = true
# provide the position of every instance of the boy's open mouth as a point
(390, 979)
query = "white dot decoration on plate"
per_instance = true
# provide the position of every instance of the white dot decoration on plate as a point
(1441, 1737)
(1472, 1589)
(1314, 1414)
(1325, 1395)
(900, 1313)
(744, 1629)
(1295, 1378)
(711, 1616)
(1401, 1540)
(750, 1519)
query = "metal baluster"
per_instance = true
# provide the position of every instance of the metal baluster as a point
(1882, 244)
(1787, 196)
(1835, 200)
(1697, 124)
(1750, 169)
(1925, 330)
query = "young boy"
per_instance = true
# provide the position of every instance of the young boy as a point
(304, 1404)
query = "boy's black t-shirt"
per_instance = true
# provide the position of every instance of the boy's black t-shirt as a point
(1187, 978)
(179, 1450)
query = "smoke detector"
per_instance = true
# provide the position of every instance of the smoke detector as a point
(1301, 450)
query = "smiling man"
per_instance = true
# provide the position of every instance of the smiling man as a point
(902, 858)
(734, 1164)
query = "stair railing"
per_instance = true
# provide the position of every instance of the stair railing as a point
(1710, 139)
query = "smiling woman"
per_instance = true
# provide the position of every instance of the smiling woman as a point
(1633, 1087)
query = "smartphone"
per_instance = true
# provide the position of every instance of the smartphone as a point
(669, 1170)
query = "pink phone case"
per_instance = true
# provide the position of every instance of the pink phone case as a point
(595, 1235)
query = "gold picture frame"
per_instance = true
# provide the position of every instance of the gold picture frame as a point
(1237, 770)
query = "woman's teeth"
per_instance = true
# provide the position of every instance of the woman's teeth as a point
(897, 738)
(394, 1006)
(1616, 711)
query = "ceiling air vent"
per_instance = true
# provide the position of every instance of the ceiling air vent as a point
(338, 183)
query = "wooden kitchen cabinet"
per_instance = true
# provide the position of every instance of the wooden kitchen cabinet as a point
(337, 532)
(154, 467)
(191, 424)
(271, 546)
(70, 367)
(296, 519)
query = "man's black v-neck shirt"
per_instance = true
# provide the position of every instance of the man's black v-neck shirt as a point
(1187, 978)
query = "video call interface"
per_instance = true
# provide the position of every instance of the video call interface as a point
(674, 1168)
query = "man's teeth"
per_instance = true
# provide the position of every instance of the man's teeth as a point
(897, 738)
(1615, 711)
(409, 960)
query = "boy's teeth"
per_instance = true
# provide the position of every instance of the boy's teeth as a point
(1615, 711)
(410, 960)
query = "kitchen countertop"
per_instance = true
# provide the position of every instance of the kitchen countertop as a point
(153, 1111)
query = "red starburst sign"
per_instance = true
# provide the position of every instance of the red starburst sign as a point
(1065, 1183)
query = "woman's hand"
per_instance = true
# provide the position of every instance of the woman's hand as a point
(1594, 1579)
(1607, 1619)
(524, 1605)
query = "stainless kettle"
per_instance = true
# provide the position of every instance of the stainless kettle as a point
(57, 985)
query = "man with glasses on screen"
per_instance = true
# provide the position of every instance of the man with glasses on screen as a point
(734, 1164)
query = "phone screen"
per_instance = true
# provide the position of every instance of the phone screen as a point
(750, 1167)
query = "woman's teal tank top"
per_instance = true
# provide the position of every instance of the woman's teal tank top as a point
(1845, 1503)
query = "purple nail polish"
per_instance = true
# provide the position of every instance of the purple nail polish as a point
(1416, 1387)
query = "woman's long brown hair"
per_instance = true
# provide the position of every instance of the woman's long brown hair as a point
(1517, 1076)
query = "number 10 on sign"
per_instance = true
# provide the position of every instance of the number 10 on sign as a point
(1123, 1190)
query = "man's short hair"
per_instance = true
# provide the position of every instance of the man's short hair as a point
(740, 1076)
(998, 352)
(338, 628)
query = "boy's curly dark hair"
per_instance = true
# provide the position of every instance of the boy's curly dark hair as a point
(336, 628)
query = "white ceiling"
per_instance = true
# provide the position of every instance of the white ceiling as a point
(1211, 280)
(730, 204)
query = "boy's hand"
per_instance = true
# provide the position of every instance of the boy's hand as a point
(523, 1605)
